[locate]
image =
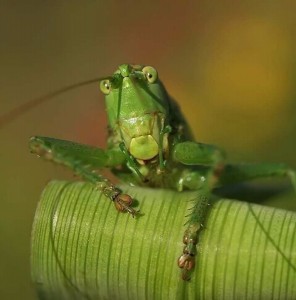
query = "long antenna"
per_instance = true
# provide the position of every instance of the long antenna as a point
(18, 111)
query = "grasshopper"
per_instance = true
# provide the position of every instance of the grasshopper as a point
(150, 144)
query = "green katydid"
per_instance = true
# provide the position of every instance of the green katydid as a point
(150, 144)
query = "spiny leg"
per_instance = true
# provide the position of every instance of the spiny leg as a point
(235, 173)
(191, 235)
(228, 174)
(83, 159)
(191, 153)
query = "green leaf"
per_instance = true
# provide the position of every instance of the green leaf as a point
(83, 248)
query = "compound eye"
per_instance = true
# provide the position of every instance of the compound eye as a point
(150, 73)
(105, 86)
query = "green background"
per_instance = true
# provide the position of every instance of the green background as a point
(230, 64)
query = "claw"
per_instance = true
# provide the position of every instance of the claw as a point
(185, 275)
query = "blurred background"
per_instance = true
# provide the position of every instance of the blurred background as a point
(230, 65)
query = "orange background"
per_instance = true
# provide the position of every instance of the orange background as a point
(230, 65)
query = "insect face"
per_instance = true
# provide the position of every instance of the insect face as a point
(137, 109)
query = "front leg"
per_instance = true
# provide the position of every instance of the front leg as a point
(190, 153)
(84, 160)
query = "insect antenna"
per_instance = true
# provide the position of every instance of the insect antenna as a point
(23, 108)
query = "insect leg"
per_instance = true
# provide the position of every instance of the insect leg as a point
(190, 153)
(244, 172)
(83, 160)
